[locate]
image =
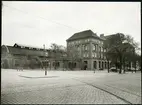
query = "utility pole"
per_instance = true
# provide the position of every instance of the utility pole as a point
(45, 60)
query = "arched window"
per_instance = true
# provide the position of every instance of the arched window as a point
(99, 64)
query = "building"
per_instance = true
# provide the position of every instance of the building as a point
(131, 62)
(27, 57)
(84, 51)
(90, 49)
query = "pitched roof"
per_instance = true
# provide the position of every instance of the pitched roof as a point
(112, 35)
(28, 46)
(83, 34)
(107, 36)
(24, 51)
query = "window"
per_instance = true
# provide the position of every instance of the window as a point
(94, 47)
(22, 47)
(46, 54)
(104, 50)
(95, 55)
(78, 48)
(88, 40)
(30, 48)
(99, 64)
(87, 55)
(84, 55)
(85, 47)
(102, 55)
(53, 64)
(101, 49)
(93, 40)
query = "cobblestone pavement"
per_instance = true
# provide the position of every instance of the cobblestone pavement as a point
(69, 87)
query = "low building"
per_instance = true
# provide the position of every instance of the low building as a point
(27, 57)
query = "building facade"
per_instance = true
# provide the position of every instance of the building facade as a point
(84, 51)
(27, 57)
(90, 49)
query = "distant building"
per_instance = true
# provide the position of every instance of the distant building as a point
(26, 57)
(90, 47)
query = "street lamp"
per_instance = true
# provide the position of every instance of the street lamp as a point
(45, 54)
(63, 61)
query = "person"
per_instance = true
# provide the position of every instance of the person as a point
(18, 69)
(21, 68)
(94, 70)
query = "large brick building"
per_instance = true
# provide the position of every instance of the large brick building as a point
(90, 47)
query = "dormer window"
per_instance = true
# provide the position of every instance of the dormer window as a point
(30, 48)
(88, 40)
(22, 47)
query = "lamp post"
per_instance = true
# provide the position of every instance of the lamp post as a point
(63, 62)
(45, 60)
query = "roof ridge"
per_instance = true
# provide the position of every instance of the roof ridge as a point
(83, 34)
(83, 31)
(28, 46)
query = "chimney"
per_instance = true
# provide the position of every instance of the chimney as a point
(101, 35)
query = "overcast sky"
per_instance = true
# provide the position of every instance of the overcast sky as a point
(38, 23)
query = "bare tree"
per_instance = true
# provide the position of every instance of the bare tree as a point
(57, 53)
(74, 55)
(118, 45)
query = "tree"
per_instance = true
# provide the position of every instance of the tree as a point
(64, 56)
(112, 45)
(38, 61)
(108, 53)
(74, 55)
(131, 54)
(118, 46)
(57, 53)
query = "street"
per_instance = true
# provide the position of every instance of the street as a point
(69, 87)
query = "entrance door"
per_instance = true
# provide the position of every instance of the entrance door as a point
(85, 65)
(95, 64)
(102, 65)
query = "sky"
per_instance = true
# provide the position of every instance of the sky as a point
(37, 23)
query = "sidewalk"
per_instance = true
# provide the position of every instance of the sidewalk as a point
(127, 87)
(130, 97)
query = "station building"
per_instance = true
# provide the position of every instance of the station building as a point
(90, 48)
(27, 57)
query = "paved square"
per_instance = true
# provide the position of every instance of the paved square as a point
(69, 87)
